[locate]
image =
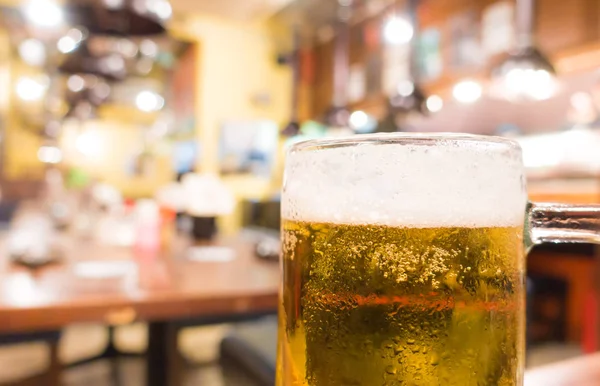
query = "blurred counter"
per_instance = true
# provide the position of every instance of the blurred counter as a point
(565, 190)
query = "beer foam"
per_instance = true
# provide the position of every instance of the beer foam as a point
(414, 180)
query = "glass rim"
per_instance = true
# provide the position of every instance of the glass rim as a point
(412, 138)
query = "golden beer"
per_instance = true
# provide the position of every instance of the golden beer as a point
(384, 305)
(403, 262)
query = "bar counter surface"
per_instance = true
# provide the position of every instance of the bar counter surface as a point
(583, 371)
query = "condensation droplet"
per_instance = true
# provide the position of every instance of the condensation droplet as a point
(390, 370)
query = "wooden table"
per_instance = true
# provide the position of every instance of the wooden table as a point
(157, 288)
(584, 371)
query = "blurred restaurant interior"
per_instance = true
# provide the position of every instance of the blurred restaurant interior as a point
(142, 145)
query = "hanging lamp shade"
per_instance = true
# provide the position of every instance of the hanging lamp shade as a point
(120, 17)
(526, 73)
(408, 96)
(111, 66)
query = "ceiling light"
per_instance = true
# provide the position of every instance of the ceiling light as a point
(163, 10)
(70, 41)
(398, 30)
(75, 83)
(114, 4)
(66, 44)
(29, 89)
(148, 48)
(406, 88)
(102, 90)
(33, 52)
(127, 48)
(43, 13)
(160, 8)
(434, 103)
(467, 91)
(362, 122)
(89, 143)
(358, 119)
(112, 63)
(149, 101)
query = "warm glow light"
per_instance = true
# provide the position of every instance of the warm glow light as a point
(49, 154)
(467, 91)
(66, 44)
(70, 41)
(113, 4)
(434, 103)
(148, 48)
(149, 101)
(33, 52)
(88, 143)
(161, 8)
(398, 30)
(30, 89)
(102, 90)
(406, 88)
(529, 84)
(112, 63)
(358, 119)
(43, 13)
(75, 83)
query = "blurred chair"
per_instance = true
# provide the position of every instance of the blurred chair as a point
(7, 211)
(261, 214)
(30, 358)
(253, 347)
(82, 342)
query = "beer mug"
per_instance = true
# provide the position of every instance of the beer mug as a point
(404, 260)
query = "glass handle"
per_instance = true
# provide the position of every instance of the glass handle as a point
(563, 223)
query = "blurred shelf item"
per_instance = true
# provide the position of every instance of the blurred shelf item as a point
(567, 154)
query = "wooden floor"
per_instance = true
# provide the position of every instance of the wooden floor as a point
(130, 371)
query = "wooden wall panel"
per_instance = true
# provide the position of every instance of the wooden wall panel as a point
(323, 82)
(564, 24)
